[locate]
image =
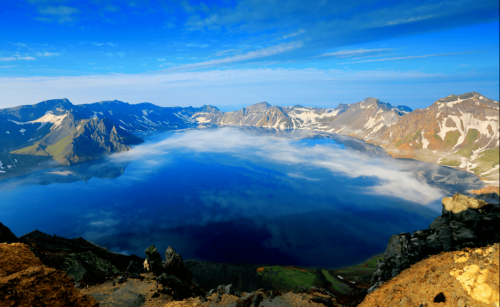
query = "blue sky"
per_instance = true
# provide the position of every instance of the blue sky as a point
(234, 53)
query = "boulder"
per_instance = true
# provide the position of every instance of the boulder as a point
(154, 260)
(175, 265)
(178, 289)
(134, 268)
(459, 203)
(87, 269)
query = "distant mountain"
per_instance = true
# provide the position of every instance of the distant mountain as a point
(457, 131)
(58, 131)
(263, 114)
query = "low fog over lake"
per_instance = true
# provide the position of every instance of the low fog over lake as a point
(236, 195)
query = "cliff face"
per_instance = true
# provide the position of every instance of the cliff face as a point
(464, 223)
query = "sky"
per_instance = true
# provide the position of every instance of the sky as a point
(234, 53)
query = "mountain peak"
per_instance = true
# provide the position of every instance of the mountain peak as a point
(371, 100)
(259, 106)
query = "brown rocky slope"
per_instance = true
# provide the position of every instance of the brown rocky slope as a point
(461, 278)
(25, 281)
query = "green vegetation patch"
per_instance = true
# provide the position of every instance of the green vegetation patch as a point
(336, 284)
(409, 138)
(450, 162)
(372, 262)
(488, 159)
(60, 149)
(472, 136)
(437, 137)
(33, 150)
(287, 279)
(451, 138)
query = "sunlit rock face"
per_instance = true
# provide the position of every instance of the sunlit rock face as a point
(465, 223)
(459, 203)
(461, 278)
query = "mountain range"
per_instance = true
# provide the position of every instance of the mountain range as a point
(457, 131)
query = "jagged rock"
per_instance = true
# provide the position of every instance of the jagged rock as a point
(154, 260)
(7, 236)
(87, 268)
(179, 289)
(175, 265)
(465, 222)
(134, 268)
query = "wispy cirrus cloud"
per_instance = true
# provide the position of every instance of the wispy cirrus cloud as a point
(47, 54)
(61, 13)
(352, 53)
(97, 44)
(294, 34)
(251, 55)
(15, 58)
(410, 57)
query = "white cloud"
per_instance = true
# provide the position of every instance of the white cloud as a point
(8, 66)
(221, 87)
(17, 57)
(412, 57)
(47, 54)
(28, 58)
(59, 10)
(351, 53)
(256, 54)
(61, 13)
(294, 34)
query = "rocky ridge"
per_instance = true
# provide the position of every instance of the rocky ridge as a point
(464, 223)
(25, 281)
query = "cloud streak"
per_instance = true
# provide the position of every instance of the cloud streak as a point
(11, 58)
(411, 57)
(251, 55)
(352, 53)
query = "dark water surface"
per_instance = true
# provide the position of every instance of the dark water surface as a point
(230, 195)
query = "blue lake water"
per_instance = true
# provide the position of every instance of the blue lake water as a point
(239, 196)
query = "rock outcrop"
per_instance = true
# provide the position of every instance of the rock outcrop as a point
(464, 222)
(460, 278)
(7, 236)
(25, 281)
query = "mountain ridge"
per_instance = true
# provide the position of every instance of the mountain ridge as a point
(457, 131)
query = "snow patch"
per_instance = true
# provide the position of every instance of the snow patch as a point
(49, 117)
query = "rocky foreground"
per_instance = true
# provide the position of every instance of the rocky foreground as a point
(453, 263)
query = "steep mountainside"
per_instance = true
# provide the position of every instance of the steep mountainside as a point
(458, 131)
(56, 130)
